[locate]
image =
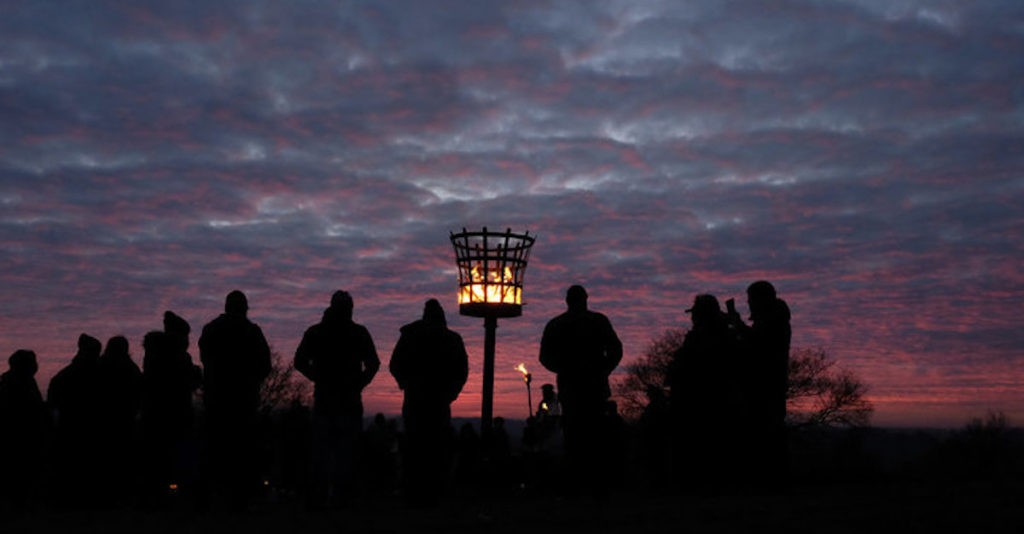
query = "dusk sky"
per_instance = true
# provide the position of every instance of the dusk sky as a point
(867, 157)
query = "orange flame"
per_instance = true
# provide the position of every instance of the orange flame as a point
(496, 287)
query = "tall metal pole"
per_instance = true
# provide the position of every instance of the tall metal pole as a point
(487, 409)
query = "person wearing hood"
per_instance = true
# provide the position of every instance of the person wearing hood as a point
(120, 396)
(74, 397)
(431, 366)
(338, 355)
(23, 423)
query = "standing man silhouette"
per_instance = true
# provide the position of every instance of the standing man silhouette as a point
(581, 348)
(23, 425)
(339, 356)
(236, 360)
(430, 365)
(765, 347)
(74, 397)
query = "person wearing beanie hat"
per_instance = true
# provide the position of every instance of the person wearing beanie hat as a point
(338, 355)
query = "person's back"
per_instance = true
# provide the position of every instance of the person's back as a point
(236, 360)
(73, 395)
(74, 392)
(339, 356)
(582, 349)
(120, 388)
(430, 364)
(22, 410)
(23, 422)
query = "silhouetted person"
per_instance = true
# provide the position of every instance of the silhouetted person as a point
(765, 348)
(74, 396)
(581, 348)
(380, 446)
(170, 379)
(236, 360)
(548, 406)
(23, 424)
(430, 364)
(470, 457)
(498, 470)
(704, 402)
(548, 419)
(339, 356)
(120, 397)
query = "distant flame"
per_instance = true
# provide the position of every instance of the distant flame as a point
(526, 374)
(496, 287)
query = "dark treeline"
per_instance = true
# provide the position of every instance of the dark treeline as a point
(181, 430)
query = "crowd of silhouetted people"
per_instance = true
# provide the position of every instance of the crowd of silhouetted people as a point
(110, 433)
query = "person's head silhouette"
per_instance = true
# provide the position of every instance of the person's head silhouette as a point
(760, 298)
(576, 298)
(23, 362)
(341, 305)
(433, 313)
(117, 347)
(236, 303)
(705, 310)
(175, 325)
(88, 346)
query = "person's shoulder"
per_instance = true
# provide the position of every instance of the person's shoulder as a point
(559, 319)
(314, 330)
(215, 323)
(453, 335)
(412, 327)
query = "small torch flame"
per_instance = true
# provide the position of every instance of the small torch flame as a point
(526, 374)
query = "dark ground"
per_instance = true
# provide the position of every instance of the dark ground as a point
(904, 507)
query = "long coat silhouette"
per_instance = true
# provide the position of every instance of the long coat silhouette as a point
(23, 424)
(339, 356)
(74, 396)
(582, 349)
(705, 399)
(170, 379)
(236, 360)
(765, 350)
(120, 397)
(431, 366)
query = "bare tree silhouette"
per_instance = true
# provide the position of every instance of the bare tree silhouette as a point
(282, 386)
(820, 393)
(644, 387)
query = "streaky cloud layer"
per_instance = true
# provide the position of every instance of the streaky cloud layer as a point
(865, 156)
